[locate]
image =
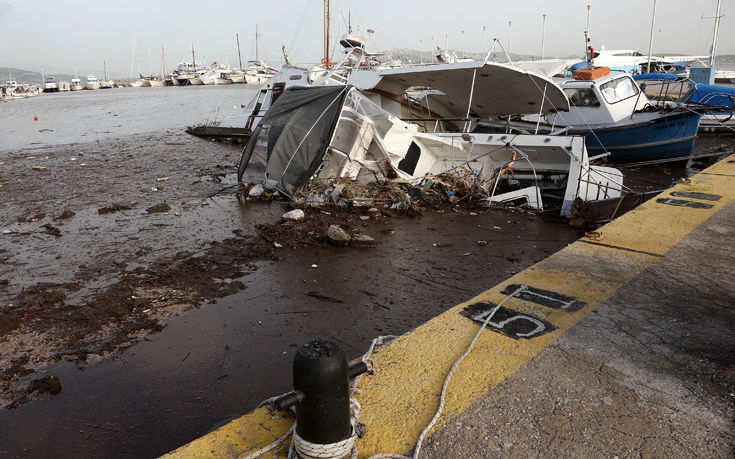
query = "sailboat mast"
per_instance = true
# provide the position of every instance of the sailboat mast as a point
(714, 38)
(193, 59)
(163, 65)
(650, 40)
(543, 36)
(326, 32)
(257, 59)
(132, 59)
(239, 56)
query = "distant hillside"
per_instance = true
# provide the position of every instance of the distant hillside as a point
(27, 76)
(414, 56)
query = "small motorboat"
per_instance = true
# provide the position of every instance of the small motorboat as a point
(616, 118)
(76, 84)
(92, 82)
(50, 85)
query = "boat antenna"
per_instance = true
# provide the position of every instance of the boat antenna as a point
(650, 40)
(713, 53)
(239, 56)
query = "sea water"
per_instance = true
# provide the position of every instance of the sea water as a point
(87, 116)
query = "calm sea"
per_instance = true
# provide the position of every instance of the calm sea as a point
(86, 116)
(726, 63)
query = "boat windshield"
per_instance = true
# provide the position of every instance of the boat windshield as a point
(619, 89)
(582, 97)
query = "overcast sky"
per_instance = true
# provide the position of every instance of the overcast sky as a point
(60, 35)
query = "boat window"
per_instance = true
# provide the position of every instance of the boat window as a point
(294, 77)
(278, 89)
(619, 89)
(582, 97)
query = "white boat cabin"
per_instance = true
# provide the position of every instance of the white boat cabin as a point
(605, 101)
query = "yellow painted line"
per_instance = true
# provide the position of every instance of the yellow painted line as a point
(401, 398)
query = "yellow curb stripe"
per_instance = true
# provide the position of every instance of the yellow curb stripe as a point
(401, 398)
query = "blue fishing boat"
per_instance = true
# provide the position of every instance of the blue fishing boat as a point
(616, 118)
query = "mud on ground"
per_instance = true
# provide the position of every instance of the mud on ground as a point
(103, 244)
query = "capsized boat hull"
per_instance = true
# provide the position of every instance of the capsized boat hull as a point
(669, 136)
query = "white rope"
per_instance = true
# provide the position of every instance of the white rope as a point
(265, 449)
(308, 450)
(438, 413)
(340, 449)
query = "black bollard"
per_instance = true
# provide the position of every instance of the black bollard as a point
(321, 374)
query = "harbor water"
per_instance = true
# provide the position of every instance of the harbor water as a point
(89, 116)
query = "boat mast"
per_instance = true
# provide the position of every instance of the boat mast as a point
(132, 60)
(257, 59)
(239, 57)
(163, 65)
(326, 32)
(510, 23)
(587, 55)
(713, 53)
(650, 40)
(543, 35)
(193, 59)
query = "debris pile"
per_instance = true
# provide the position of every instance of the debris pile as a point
(393, 197)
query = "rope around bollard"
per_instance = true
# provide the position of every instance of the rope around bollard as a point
(341, 449)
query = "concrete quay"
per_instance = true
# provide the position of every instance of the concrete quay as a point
(622, 345)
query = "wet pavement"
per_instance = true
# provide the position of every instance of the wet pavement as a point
(649, 374)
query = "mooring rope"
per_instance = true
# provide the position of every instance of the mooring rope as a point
(348, 446)
(439, 410)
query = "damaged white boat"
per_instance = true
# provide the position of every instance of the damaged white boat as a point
(326, 133)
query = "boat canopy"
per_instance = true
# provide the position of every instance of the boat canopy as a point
(293, 136)
(498, 89)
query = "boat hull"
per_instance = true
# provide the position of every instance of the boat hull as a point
(669, 136)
